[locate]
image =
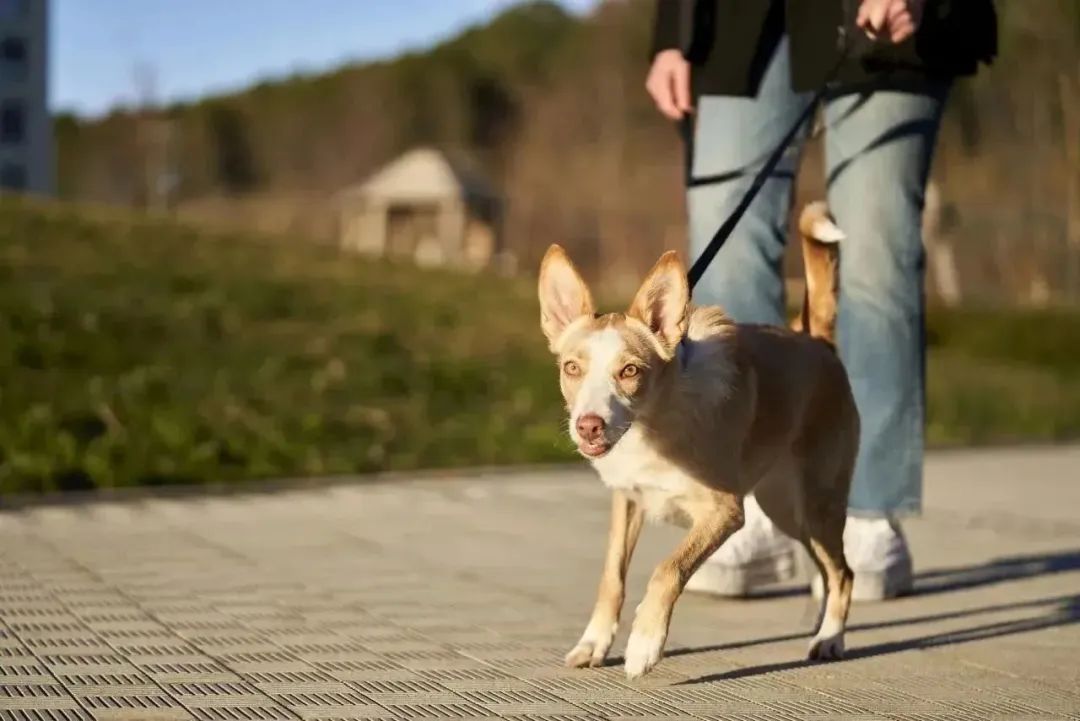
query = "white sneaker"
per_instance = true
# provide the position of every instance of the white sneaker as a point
(878, 554)
(755, 555)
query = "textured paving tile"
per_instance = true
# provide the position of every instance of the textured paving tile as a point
(456, 598)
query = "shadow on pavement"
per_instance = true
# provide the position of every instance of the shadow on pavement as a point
(996, 571)
(958, 578)
(1064, 610)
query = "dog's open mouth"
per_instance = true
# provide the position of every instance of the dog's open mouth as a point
(594, 449)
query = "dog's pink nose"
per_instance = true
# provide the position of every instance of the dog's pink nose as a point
(590, 427)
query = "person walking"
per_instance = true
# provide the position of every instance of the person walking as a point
(740, 72)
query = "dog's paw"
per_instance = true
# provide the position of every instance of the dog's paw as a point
(643, 651)
(592, 649)
(826, 648)
(587, 653)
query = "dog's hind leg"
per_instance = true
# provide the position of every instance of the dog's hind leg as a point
(825, 541)
(592, 648)
(816, 515)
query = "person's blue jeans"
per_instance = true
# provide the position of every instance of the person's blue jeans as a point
(877, 156)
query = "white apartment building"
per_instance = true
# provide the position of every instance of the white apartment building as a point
(26, 142)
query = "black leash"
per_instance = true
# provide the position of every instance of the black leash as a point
(724, 231)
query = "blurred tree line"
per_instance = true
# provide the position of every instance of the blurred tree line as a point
(553, 106)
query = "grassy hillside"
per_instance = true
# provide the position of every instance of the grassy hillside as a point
(141, 352)
(1003, 376)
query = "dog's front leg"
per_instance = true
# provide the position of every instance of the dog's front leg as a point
(626, 518)
(713, 522)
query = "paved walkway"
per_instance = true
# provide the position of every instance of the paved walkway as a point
(457, 598)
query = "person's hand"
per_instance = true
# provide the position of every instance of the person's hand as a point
(895, 20)
(669, 84)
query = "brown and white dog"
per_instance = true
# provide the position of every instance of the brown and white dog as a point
(683, 412)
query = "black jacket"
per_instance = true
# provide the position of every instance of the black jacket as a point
(730, 42)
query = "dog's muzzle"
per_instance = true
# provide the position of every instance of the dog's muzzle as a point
(592, 435)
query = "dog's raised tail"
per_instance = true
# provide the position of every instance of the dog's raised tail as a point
(821, 257)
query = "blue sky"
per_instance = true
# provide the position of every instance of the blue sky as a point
(195, 47)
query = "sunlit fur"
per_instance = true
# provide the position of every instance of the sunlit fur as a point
(711, 411)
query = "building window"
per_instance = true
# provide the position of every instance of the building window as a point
(12, 122)
(13, 59)
(12, 9)
(12, 177)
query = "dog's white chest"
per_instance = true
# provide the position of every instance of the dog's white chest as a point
(634, 467)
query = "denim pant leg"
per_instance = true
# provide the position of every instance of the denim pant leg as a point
(732, 139)
(878, 150)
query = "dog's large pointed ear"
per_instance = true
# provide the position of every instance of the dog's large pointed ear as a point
(564, 296)
(662, 303)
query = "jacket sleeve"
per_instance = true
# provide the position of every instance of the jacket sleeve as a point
(666, 34)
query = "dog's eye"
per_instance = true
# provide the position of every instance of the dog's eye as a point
(571, 368)
(629, 371)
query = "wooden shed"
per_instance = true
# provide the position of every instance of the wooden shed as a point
(427, 207)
